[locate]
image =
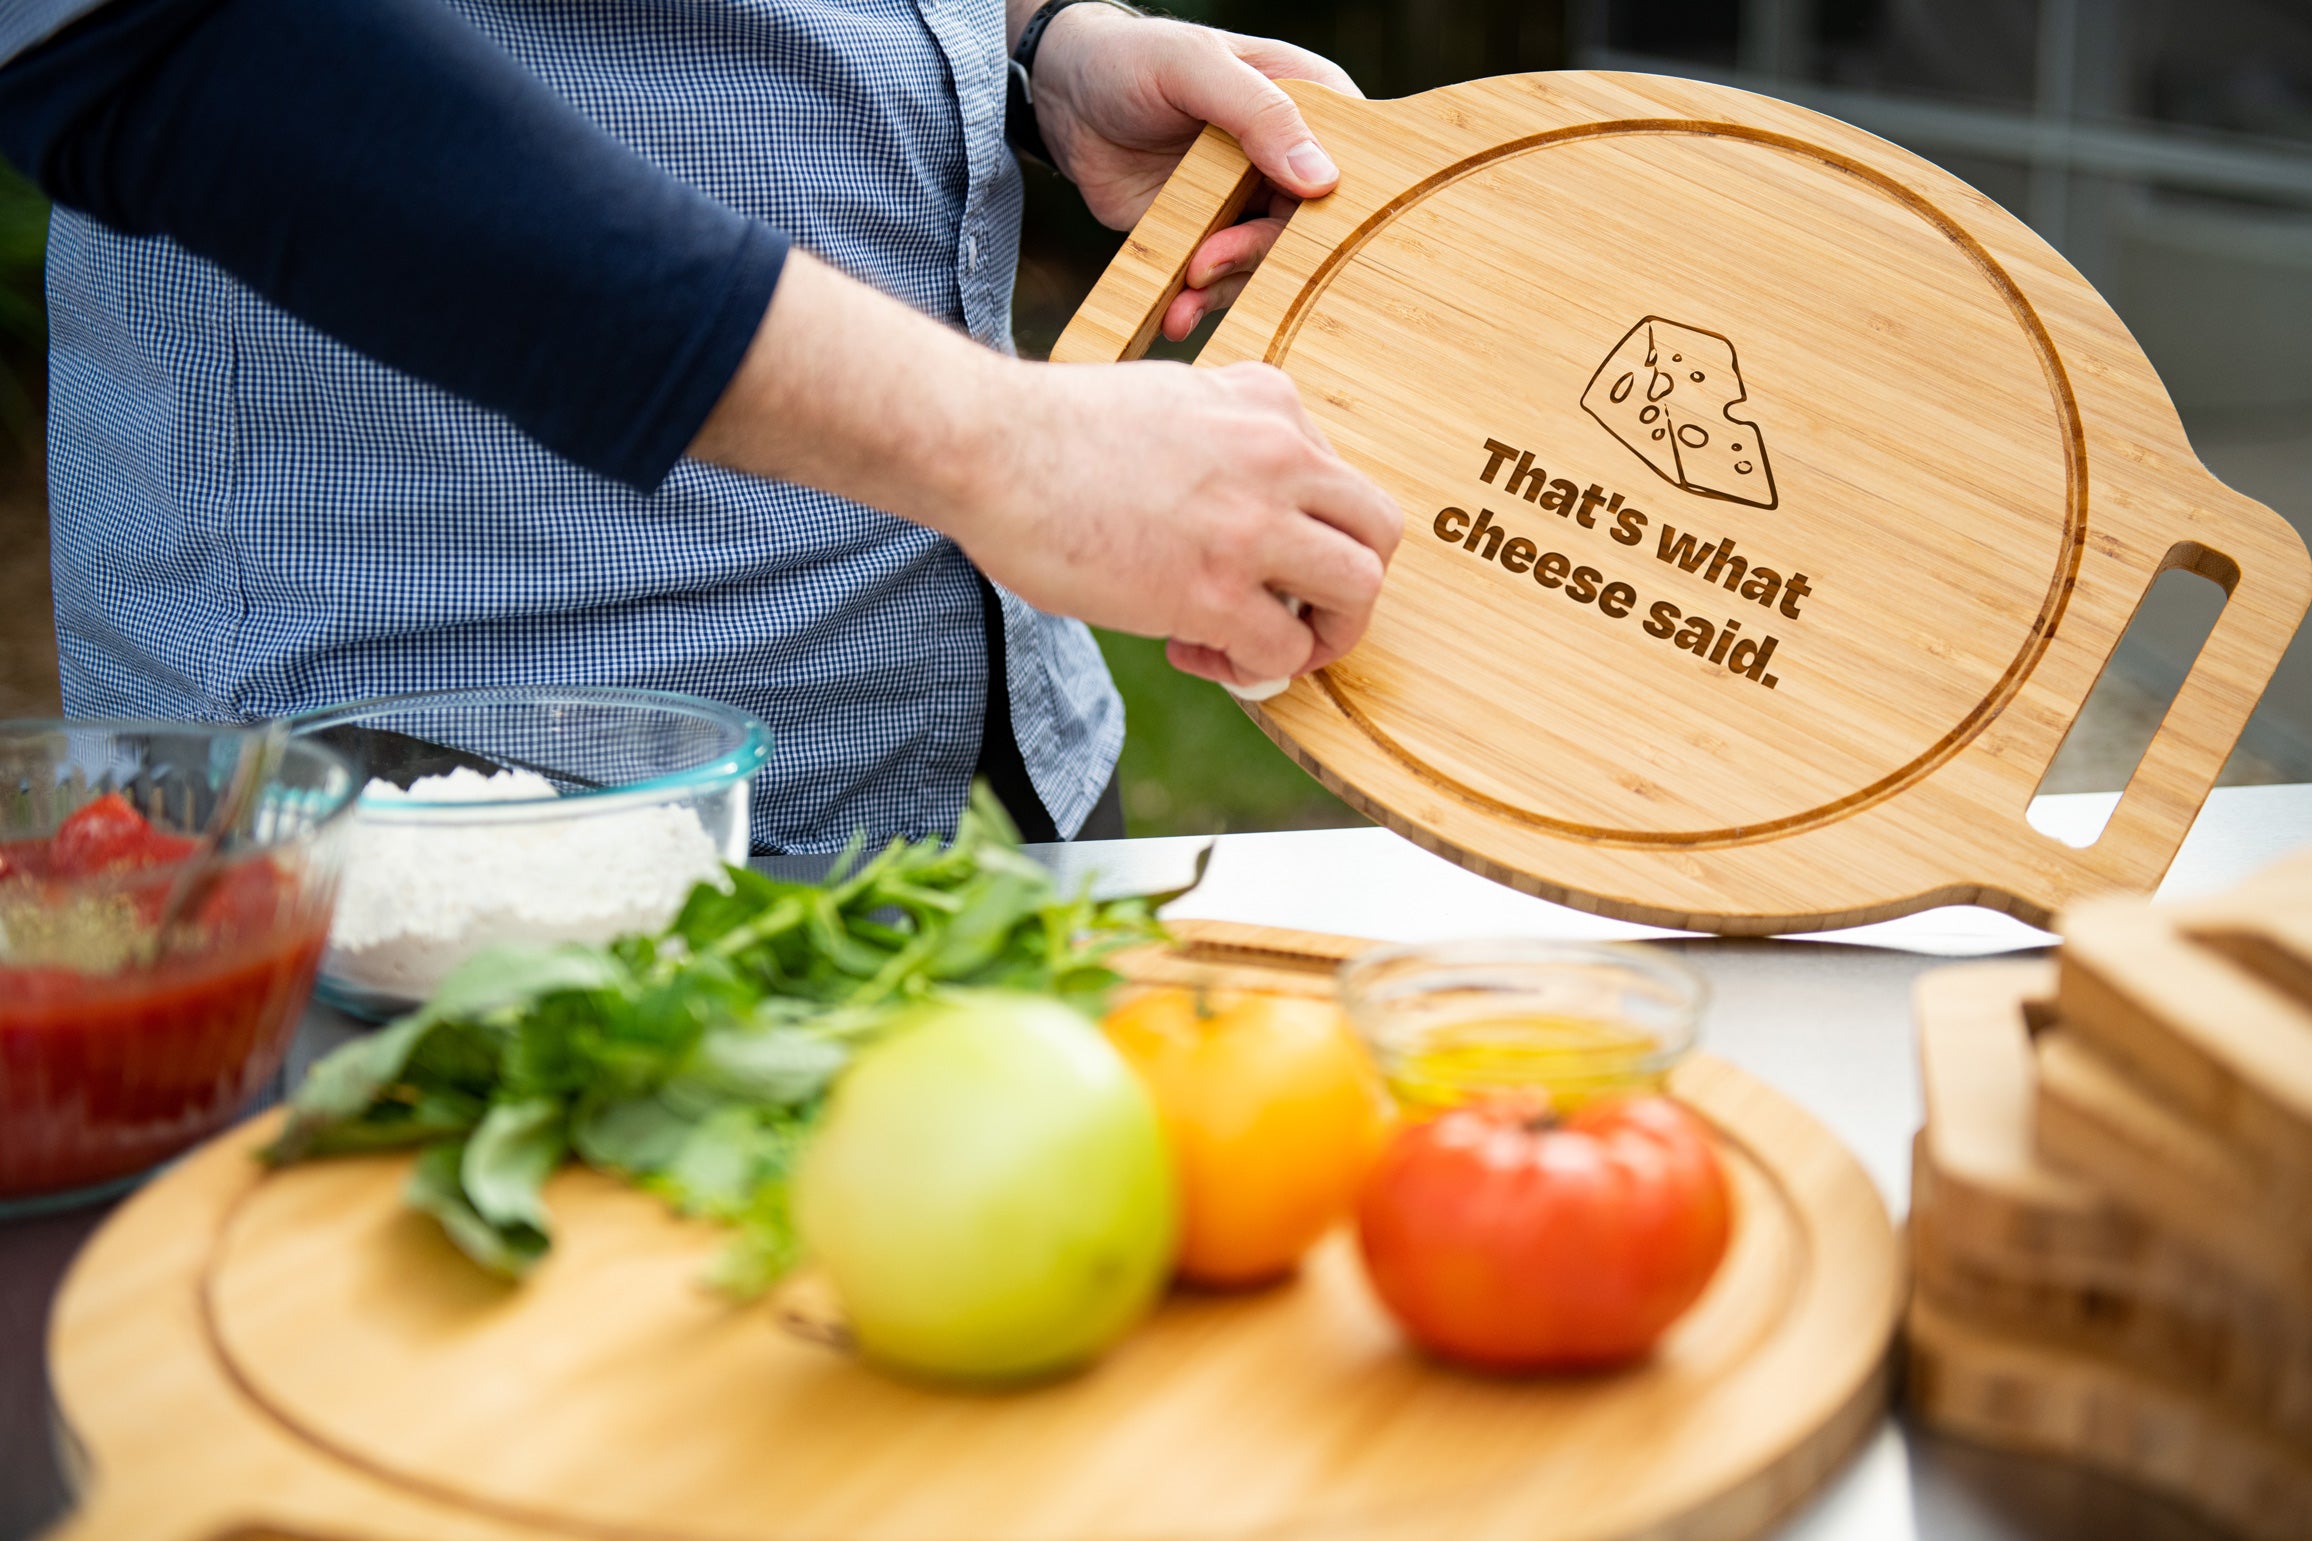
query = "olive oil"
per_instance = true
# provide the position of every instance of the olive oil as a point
(1571, 1059)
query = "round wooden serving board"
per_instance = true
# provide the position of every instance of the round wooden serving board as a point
(243, 1353)
(1880, 480)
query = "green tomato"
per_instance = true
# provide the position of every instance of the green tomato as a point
(989, 1191)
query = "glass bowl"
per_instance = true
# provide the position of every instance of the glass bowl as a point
(121, 1046)
(511, 815)
(1454, 1022)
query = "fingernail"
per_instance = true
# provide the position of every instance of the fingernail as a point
(1310, 163)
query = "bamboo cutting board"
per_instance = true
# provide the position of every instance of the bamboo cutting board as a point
(242, 1352)
(2003, 1240)
(2094, 1119)
(1772, 501)
(2208, 1007)
(2021, 1394)
(2181, 1073)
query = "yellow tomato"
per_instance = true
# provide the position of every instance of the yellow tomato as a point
(1272, 1115)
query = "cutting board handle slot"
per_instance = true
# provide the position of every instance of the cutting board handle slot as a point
(1119, 318)
(2178, 605)
(2211, 708)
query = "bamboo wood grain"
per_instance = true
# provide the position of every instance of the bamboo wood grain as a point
(2274, 948)
(293, 1352)
(2096, 1121)
(2195, 1005)
(1212, 953)
(2022, 1394)
(2004, 1241)
(1971, 462)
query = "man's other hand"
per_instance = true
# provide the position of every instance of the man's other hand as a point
(1119, 100)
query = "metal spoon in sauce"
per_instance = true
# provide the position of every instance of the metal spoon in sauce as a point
(261, 751)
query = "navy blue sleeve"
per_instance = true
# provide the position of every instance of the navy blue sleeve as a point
(383, 171)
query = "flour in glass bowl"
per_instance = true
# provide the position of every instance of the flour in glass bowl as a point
(419, 899)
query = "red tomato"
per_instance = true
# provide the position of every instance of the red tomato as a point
(1508, 1240)
(108, 835)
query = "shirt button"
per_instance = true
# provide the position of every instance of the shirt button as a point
(971, 254)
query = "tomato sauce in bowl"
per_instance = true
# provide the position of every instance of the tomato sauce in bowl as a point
(121, 1046)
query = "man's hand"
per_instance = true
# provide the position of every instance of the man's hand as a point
(1149, 498)
(1180, 503)
(1119, 100)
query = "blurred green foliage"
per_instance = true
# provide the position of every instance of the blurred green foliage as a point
(23, 314)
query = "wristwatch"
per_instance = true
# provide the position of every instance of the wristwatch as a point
(1019, 113)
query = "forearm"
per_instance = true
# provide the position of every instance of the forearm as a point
(848, 390)
(384, 172)
(1148, 497)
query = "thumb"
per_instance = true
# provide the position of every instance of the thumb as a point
(1223, 89)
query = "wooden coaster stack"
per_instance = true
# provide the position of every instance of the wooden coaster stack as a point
(2111, 1206)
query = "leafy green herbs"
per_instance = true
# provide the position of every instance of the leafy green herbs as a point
(694, 1062)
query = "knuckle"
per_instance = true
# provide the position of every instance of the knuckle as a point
(1266, 447)
(1392, 535)
(1274, 381)
(1217, 49)
(1235, 546)
(1244, 377)
(1258, 658)
(1260, 381)
(1209, 602)
(1271, 108)
(1387, 530)
(1392, 519)
(1318, 458)
(1282, 447)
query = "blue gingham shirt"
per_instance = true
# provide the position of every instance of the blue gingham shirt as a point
(252, 520)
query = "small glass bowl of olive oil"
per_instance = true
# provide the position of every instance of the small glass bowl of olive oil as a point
(1452, 1022)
